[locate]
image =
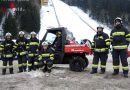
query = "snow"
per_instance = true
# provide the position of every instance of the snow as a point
(70, 17)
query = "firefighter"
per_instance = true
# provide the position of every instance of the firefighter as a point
(120, 38)
(100, 47)
(57, 47)
(46, 58)
(58, 42)
(7, 53)
(21, 50)
(33, 52)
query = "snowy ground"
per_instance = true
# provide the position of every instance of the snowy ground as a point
(62, 78)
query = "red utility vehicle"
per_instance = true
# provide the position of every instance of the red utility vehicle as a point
(71, 52)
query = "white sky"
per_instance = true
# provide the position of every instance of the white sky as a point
(68, 18)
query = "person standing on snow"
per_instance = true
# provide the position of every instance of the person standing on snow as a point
(7, 53)
(21, 50)
(100, 47)
(120, 38)
(33, 52)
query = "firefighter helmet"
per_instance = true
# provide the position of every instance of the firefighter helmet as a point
(118, 19)
(32, 33)
(21, 33)
(45, 43)
(8, 34)
(101, 27)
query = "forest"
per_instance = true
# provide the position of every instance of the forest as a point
(104, 11)
(26, 17)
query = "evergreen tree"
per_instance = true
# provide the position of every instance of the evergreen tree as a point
(105, 11)
(30, 18)
(10, 25)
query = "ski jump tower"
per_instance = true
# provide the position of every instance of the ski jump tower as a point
(44, 2)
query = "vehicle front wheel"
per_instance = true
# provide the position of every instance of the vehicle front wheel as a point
(77, 64)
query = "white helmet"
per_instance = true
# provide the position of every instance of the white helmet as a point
(101, 27)
(33, 33)
(118, 19)
(8, 34)
(21, 33)
(44, 43)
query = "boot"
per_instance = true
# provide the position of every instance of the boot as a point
(94, 70)
(34, 68)
(24, 68)
(102, 71)
(29, 69)
(11, 71)
(3, 71)
(49, 70)
(20, 69)
(45, 69)
(37, 67)
(126, 75)
(116, 72)
(125, 72)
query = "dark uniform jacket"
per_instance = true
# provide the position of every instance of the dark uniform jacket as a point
(8, 48)
(101, 42)
(120, 38)
(58, 43)
(33, 46)
(46, 54)
(22, 46)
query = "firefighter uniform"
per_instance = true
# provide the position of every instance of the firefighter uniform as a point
(100, 46)
(46, 59)
(120, 38)
(21, 51)
(7, 53)
(57, 44)
(33, 52)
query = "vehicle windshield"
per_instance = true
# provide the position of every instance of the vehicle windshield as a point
(50, 38)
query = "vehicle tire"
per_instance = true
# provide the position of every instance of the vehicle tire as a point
(86, 61)
(77, 64)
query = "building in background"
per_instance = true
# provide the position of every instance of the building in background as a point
(44, 2)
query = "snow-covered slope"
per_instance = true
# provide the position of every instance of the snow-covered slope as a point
(70, 17)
